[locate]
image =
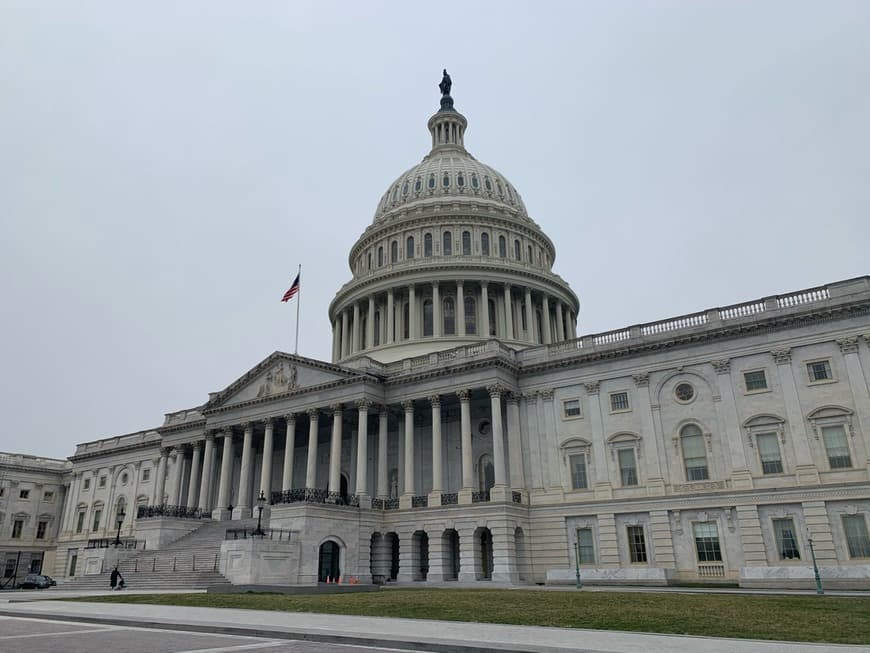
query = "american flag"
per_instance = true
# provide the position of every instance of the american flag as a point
(291, 293)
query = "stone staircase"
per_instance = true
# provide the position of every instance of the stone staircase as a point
(190, 562)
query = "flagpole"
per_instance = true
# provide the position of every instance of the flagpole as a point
(298, 302)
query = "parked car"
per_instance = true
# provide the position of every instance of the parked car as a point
(36, 581)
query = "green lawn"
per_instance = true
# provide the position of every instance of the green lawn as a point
(795, 618)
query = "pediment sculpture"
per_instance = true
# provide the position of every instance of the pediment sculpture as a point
(278, 380)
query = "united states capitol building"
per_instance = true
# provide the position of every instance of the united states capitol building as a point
(463, 431)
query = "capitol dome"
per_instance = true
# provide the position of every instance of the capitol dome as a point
(451, 258)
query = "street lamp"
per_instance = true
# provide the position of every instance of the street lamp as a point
(579, 583)
(120, 519)
(261, 502)
(819, 589)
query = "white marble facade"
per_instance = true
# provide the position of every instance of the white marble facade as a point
(463, 431)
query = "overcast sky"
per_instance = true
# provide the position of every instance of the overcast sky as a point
(165, 166)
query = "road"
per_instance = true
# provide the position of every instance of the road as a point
(25, 635)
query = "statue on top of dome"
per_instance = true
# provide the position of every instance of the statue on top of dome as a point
(446, 84)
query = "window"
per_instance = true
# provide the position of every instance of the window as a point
(694, 453)
(487, 183)
(819, 371)
(449, 310)
(87, 484)
(684, 392)
(768, 452)
(41, 527)
(405, 188)
(369, 261)
(755, 380)
(636, 544)
(102, 481)
(80, 521)
(11, 564)
(460, 180)
(380, 256)
(518, 252)
(17, 527)
(492, 317)
(447, 243)
(445, 180)
(394, 251)
(466, 243)
(707, 542)
(475, 182)
(418, 185)
(855, 528)
(484, 244)
(427, 245)
(2, 492)
(587, 547)
(578, 471)
(837, 446)
(377, 333)
(427, 317)
(786, 540)
(406, 320)
(48, 496)
(502, 247)
(470, 316)
(409, 247)
(618, 401)
(431, 181)
(571, 408)
(530, 254)
(146, 475)
(627, 466)
(96, 524)
(24, 494)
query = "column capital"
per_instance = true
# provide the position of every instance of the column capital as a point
(484, 284)
(196, 444)
(495, 390)
(248, 426)
(435, 400)
(209, 436)
(363, 405)
(848, 345)
(269, 422)
(464, 394)
(435, 284)
(721, 365)
(460, 283)
(530, 397)
(227, 431)
(512, 398)
(164, 452)
(641, 380)
(337, 409)
(313, 413)
(173, 453)
(781, 356)
(383, 410)
(290, 417)
(547, 394)
(592, 388)
(408, 405)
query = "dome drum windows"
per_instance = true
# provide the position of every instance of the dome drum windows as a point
(380, 256)
(418, 185)
(447, 244)
(394, 251)
(409, 247)
(502, 247)
(518, 255)
(432, 181)
(460, 180)
(427, 245)
(449, 316)
(445, 180)
(487, 184)
(475, 182)
(470, 316)
(484, 244)
(405, 189)
(466, 243)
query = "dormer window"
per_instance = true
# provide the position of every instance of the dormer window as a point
(475, 182)
(460, 180)
(487, 184)
(445, 180)
(432, 182)
(405, 189)
(418, 185)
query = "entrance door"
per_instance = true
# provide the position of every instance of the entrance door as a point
(486, 554)
(73, 561)
(328, 564)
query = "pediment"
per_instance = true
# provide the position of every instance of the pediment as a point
(277, 375)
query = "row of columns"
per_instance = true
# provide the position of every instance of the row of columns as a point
(348, 338)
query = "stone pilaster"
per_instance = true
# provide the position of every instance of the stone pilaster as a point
(751, 539)
(662, 539)
(819, 526)
(608, 552)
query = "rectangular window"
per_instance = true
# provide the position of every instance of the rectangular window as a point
(96, 525)
(755, 380)
(836, 446)
(578, 471)
(571, 408)
(627, 466)
(855, 527)
(146, 475)
(87, 484)
(102, 481)
(695, 457)
(618, 401)
(819, 371)
(2, 492)
(636, 544)
(24, 494)
(48, 497)
(9, 572)
(786, 539)
(707, 542)
(768, 453)
(41, 527)
(17, 527)
(80, 522)
(587, 547)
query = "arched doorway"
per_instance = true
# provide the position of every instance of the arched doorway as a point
(522, 554)
(421, 555)
(328, 565)
(394, 555)
(483, 554)
(450, 546)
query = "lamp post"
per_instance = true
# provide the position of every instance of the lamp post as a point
(120, 519)
(261, 502)
(579, 583)
(819, 589)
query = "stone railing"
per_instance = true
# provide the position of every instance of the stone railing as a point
(517, 497)
(449, 499)
(385, 504)
(315, 495)
(110, 543)
(457, 354)
(420, 501)
(480, 497)
(176, 512)
(277, 534)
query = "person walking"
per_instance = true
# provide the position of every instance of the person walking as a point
(114, 576)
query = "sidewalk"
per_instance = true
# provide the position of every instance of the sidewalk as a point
(441, 636)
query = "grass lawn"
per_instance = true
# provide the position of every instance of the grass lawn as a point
(795, 618)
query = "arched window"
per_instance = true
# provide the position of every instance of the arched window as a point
(432, 182)
(530, 255)
(380, 256)
(406, 321)
(491, 317)
(418, 185)
(409, 247)
(485, 473)
(502, 246)
(484, 244)
(470, 315)
(447, 242)
(394, 251)
(518, 252)
(694, 453)
(466, 243)
(427, 245)
(445, 180)
(460, 180)
(427, 317)
(405, 188)
(120, 509)
(449, 312)
(377, 328)
(475, 182)
(487, 183)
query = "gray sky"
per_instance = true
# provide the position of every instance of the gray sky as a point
(164, 167)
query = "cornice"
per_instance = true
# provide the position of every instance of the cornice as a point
(495, 362)
(175, 428)
(111, 452)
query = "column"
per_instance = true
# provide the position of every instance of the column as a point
(226, 474)
(72, 500)
(335, 449)
(437, 465)
(336, 339)
(484, 310)
(311, 467)
(345, 335)
(289, 451)
(243, 509)
(193, 484)
(390, 317)
(383, 470)
(466, 452)
(545, 321)
(410, 484)
(362, 448)
(460, 309)
(412, 314)
(437, 320)
(530, 316)
(355, 344)
(207, 465)
(560, 324)
(370, 324)
(177, 476)
(655, 481)
(160, 481)
(515, 443)
(495, 392)
(266, 469)
(601, 479)
(508, 313)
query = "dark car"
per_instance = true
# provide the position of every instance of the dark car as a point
(36, 581)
